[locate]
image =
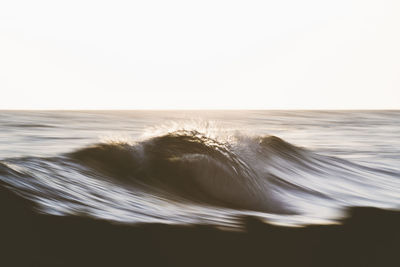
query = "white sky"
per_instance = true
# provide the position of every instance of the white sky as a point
(199, 54)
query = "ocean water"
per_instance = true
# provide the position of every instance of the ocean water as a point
(202, 167)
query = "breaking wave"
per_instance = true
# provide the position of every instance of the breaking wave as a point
(186, 176)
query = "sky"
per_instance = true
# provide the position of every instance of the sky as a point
(217, 54)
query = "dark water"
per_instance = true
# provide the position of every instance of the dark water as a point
(202, 167)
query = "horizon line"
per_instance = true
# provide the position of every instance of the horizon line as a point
(206, 109)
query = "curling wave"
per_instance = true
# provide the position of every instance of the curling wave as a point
(187, 176)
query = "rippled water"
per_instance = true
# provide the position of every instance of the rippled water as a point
(289, 167)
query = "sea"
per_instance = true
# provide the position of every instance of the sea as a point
(207, 167)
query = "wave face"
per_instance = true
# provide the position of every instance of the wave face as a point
(186, 176)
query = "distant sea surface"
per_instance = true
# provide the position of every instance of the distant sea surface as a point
(202, 167)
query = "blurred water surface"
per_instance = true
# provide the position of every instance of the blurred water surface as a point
(321, 162)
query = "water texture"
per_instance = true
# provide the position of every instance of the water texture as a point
(202, 167)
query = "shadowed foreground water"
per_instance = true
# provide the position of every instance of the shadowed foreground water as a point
(369, 237)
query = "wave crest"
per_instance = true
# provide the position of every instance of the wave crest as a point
(183, 163)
